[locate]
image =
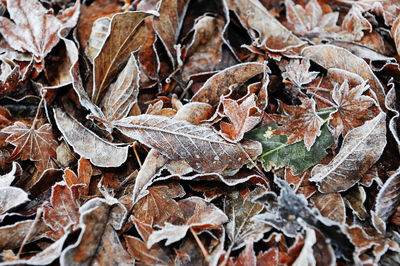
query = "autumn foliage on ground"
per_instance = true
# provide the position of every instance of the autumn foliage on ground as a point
(199, 132)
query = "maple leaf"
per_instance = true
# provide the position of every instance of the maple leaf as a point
(241, 117)
(31, 144)
(310, 20)
(353, 108)
(35, 29)
(354, 22)
(298, 73)
(300, 123)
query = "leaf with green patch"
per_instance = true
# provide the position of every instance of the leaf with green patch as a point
(276, 153)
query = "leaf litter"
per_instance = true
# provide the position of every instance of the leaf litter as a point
(225, 132)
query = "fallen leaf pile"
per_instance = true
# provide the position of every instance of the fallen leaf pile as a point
(199, 132)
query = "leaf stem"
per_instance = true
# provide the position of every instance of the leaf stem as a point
(201, 246)
(38, 109)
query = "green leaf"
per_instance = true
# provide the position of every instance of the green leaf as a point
(276, 153)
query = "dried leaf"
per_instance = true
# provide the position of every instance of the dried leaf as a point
(219, 84)
(310, 20)
(246, 257)
(205, 51)
(263, 27)
(330, 205)
(353, 108)
(388, 197)
(299, 122)
(396, 33)
(276, 153)
(89, 145)
(355, 199)
(85, 171)
(361, 148)
(7, 179)
(156, 255)
(32, 144)
(329, 56)
(35, 29)
(199, 146)
(355, 23)
(98, 242)
(242, 118)
(98, 37)
(62, 211)
(197, 215)
(127, 33)
(159, 206)
(392, 105)
(122, 94)
(298, 73)
(11, 197)
(239, 210)
(168, 24)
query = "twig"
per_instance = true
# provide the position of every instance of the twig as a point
(201, 246)
(30, 232)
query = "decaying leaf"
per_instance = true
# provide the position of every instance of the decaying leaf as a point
(219, 84)
(276, 153)
(343, 59)
(98, 36)
(89, 145)
(197, 215)
(168, 24)
(392, 105)
(98, 242)
(355, 199)
(62, 211)
(353, 108)
(202, 148)
(36, 28)
(122, 94)
(330, 205)
(127, 33)
(240, 116)
(11, 197)
(298, 73)
(32, 144)
(388, 197)
(240, 229)
(361, 148)
(299, 123)
(263, 27)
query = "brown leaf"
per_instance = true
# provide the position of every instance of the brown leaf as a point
(156, 255)
(205, 51)
(299, 122)
(330, 205)
(244, 115)
(269, 257)
(168, 24)
(197, 215)
(355, 199)
(89, 14)
(89, 145)
(219, 84)
(62, 210)
(12, 236)
(388, 197)
(246, 257)
(298, 73)
(355, 23)
(127, 33)
(98, 242)
(267, 31)
(159, 206)
(98, 36)
(122, 94)
(353, 108)
(361, 148)
(329, 56)
(240, 229)
(203, 149)
(85, 171)
(392, 105)
(32, 144)
(310, 20)
(11, 197)
(35, 29)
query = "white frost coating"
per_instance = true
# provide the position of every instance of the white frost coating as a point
(87, 144)
(11, 197)
(361, 148)
(7, 179)
(391, 103)
(98, 36)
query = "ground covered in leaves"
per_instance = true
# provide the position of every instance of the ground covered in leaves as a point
(199, 132)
